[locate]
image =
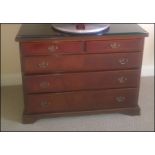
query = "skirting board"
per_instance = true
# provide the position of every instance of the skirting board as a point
(15, 79)
(11, 79)
(147, 71)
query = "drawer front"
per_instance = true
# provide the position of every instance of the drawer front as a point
(48, 48)
(115, 46)
(77, 63)
(81, 101)
(82, 81)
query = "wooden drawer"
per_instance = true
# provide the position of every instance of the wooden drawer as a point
(115, 46)
(81, 101)
(48, 48)
(79, 63)
(82, 81)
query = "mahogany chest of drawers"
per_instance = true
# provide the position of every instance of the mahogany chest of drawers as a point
(80, 74)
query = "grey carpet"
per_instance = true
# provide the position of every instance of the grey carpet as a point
(12, 105)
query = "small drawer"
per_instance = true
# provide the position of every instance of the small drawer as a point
(81, 63)
(48, 48)
(114, 46)
(81, 101)
(82, 81)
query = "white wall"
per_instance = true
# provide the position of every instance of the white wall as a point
(148, 59)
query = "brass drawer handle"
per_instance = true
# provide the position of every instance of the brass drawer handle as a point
(43, 65)
(120, 99)
(53, 48)
(115, 45)
(122, 79)
(44, 104)
(44, 84)
(123, 61)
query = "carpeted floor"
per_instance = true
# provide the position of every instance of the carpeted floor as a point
(12, 105)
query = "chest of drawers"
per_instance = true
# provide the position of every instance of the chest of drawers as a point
(72, 74)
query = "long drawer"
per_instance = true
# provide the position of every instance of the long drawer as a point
(82, 81)
(81, 101)
(79, 63)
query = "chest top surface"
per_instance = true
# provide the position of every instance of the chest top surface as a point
(45, 31)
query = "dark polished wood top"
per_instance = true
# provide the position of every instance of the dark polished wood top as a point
(45, 31)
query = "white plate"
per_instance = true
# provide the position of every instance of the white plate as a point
(89, 28)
